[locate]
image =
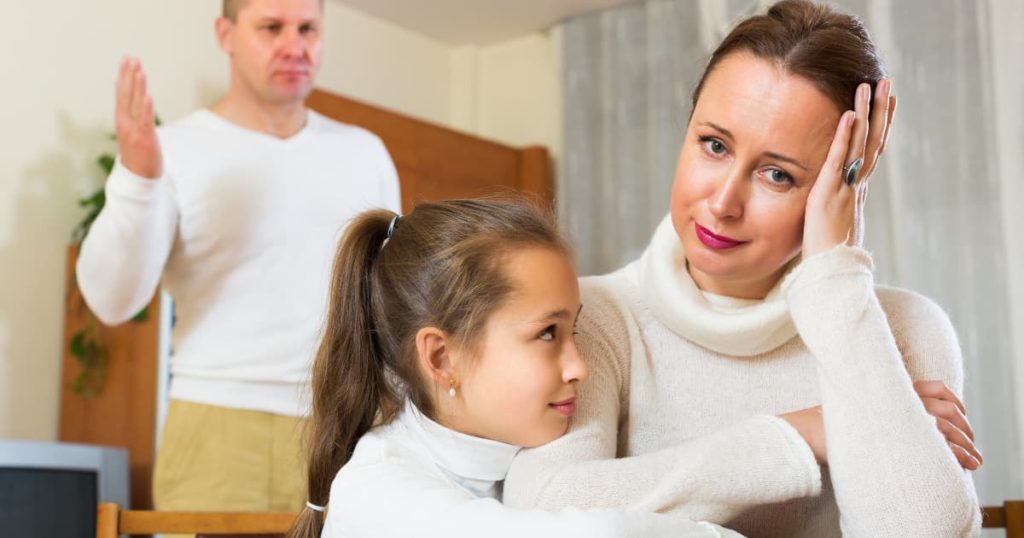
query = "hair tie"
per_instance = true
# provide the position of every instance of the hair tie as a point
(391, 227)
(316, 507)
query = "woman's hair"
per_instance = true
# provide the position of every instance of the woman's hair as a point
(829, 48)
(441, 267)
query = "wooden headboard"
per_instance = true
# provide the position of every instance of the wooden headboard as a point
(436, 163)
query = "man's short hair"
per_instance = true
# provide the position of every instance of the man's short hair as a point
(230, 8)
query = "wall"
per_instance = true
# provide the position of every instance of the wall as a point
(1006, 42)
(510, 91)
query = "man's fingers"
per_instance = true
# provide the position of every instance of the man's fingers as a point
(123, 96)
(139, 98)
(147, 111)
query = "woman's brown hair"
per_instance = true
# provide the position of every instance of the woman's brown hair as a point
(815, 41)
(441, 267)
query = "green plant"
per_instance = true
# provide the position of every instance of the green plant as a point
(86, 346)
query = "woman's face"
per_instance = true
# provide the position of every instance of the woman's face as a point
(753, 148)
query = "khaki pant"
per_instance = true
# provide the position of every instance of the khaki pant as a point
(220, 459)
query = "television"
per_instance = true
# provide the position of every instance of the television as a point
(50, 490)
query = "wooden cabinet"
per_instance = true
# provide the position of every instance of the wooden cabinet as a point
(124, 412)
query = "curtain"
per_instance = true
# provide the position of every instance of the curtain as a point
(938, 221)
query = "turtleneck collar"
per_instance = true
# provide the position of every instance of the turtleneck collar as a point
(727, 325)
(474, 463)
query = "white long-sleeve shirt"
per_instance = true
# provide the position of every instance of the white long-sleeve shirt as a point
(414, 477)
(679, 412)
(242, 230)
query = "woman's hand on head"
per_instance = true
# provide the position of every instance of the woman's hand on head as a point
(835, 206)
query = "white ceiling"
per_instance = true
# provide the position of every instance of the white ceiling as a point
(477, 22)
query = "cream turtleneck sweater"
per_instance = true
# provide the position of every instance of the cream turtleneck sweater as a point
(414, 477)
(680, 412)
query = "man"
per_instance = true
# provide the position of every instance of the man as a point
(237, 209)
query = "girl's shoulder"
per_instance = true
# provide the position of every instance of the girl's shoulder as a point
(382, 448)
(383, 475)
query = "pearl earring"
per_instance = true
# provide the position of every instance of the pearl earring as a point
(451, 387)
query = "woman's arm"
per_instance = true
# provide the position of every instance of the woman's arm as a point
(892, 470)
(759, 460)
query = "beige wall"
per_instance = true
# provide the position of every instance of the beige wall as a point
(56, 115)
(510, 91)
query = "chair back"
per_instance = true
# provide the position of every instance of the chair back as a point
(112, 522)
(1009, 516)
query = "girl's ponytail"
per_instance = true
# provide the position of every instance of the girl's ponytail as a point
(349, 386)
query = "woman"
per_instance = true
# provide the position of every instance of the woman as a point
(745, 370)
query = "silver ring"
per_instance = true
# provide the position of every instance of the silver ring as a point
(851, 171)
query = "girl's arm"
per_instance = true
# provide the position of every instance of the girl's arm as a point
(388, 500)
(892, 470)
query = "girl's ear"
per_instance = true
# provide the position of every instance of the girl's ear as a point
(434, 357)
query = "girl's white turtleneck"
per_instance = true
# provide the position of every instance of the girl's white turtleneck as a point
(415, 477)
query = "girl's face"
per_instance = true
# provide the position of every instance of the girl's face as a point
(520, 386)
(753, 148)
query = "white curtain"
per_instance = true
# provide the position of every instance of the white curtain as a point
(939, 218)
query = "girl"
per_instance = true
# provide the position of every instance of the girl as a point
(448, 346)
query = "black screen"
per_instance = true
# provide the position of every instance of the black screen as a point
(47, 503)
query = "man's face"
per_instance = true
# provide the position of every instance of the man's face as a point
(275, 48)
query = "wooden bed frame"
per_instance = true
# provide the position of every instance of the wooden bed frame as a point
(433, 163)
(438, 163)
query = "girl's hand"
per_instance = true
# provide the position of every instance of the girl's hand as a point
(835, 205)
(133, 117)
(938, 400)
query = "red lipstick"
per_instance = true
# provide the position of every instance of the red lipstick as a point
(715, 241)
(565, 407)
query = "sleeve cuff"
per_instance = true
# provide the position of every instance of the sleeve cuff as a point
(802, 457)
(840, 260)
(126, 184)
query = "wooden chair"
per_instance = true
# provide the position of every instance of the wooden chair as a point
(1009, 516)
(112, 522)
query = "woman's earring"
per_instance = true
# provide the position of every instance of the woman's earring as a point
(451, 387)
